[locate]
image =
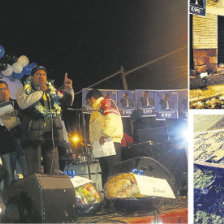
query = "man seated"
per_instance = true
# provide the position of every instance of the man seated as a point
(41, 126)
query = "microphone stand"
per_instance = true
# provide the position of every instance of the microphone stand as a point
(85, 144)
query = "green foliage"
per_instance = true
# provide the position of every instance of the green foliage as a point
(202, 179)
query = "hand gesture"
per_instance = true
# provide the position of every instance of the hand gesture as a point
(102, 140)
(67, 81)
(43, 86)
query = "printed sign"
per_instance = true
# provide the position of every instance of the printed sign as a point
(109, 94)
(198, 7)
(154, 187)
(106, 149)
(79, 181)
(126, 102)
(146, 102)
(183, 104)
(86, 108)
(163, 104)
(166, 104)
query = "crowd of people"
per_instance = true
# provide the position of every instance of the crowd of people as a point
(35, 139)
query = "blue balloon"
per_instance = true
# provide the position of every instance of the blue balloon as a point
(33, 64)
(135, 171)
(2, 51)
(18, 75)
(27, 69)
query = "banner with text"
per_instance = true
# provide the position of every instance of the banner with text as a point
(166, 104)
(145, 100)
(126, 102)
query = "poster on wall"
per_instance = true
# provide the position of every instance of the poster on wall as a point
(86, 108)
(166, 104)
(183, 104)
(109, 94)
(198, 7)
(145, 100)
(126, 102)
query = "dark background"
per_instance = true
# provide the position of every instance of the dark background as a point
(91, 39)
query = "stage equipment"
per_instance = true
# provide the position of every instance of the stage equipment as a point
(150, 167)
(169, 155)
(148, 148)
(81, 135)
(137, 202)
(156, 134)
(84, 169)
(40, 198)
(84, 164)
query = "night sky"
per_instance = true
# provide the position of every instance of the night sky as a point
(91, 39)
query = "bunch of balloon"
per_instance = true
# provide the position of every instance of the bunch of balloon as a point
(14, 68)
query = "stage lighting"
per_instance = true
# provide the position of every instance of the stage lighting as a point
(75, 139)
(180, 134)
(185, 134)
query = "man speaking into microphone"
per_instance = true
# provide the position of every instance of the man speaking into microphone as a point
(41, 119)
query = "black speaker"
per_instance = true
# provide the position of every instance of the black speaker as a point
(149, 149)
(40, 198)
(150, 166)
(156, 134)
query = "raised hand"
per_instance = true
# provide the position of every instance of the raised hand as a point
(43, 86)
(67, 81)
(102, 140)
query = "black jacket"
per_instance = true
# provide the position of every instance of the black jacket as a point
(6, 137)
(32, 124)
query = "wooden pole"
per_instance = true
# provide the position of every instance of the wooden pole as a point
(124, 80)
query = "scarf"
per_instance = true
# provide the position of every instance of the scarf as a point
(39, 107)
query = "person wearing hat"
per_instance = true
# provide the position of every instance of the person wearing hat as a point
(41, 125)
